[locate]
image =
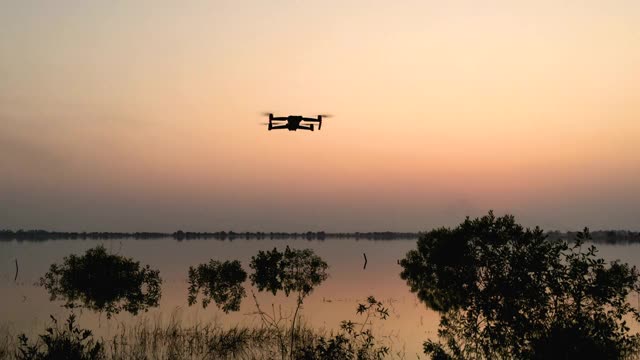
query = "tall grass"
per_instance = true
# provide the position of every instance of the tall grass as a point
(144, 340)
(151, 340)
(7, 343)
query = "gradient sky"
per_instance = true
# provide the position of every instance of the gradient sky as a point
(144, 115)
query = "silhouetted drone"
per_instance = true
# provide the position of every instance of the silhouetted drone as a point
(293, 122)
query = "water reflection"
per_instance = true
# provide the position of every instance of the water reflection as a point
(103, 282)
(110, 283)
(220, 282)
(26, 308)
(292, 270)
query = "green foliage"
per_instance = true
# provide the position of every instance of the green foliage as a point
(220, 282)
(355, 340)
(103, 282)
(61, 342)
(508, 292)
(292, 270)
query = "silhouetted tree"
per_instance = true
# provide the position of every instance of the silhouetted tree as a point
(292, 270)
(220, 282)
(103, 282)
(508, 292)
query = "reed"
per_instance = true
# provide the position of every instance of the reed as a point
(154, 340)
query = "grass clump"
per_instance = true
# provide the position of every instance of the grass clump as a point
(5, 342)
(61, 342)
(146, 340)
(200, 341)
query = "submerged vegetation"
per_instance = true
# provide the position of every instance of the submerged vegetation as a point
(502, 292)
(145, 340)
(61, 342)
(298, 271)
(111, 283)
(506, 292)
(105, 282)
(292, 270)
(220, 282)
(354, 341)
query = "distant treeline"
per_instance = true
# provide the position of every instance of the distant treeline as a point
(601, 236)
(43, 235)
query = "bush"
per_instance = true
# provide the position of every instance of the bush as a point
(61, 342)
(508, 292)
(220, 282)
(292, 270)
(103, 282)
(355, 340)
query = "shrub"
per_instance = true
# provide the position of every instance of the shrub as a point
(508, 292)
(354, 341)
(103, 282)
(220, 282)
(61, 342)
(292, 270)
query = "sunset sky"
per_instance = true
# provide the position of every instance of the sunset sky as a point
(145, 115)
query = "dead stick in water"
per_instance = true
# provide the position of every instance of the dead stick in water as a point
(365, 261)
(16, 277)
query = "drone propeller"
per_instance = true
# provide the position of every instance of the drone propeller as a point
(325, 115)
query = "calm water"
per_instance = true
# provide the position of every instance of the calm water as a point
(25, 307)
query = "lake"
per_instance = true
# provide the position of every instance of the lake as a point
(25, 307)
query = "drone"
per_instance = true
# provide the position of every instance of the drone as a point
(293, 122)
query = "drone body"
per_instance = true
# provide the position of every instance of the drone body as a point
(294, 122)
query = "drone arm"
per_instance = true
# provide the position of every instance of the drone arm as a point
(302, 127)
(276, 127)
(318, 120)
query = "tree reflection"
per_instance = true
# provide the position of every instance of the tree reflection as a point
(103, 282)
(220, 282)
(292, 270)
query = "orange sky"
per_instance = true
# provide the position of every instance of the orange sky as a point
(144, 115)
